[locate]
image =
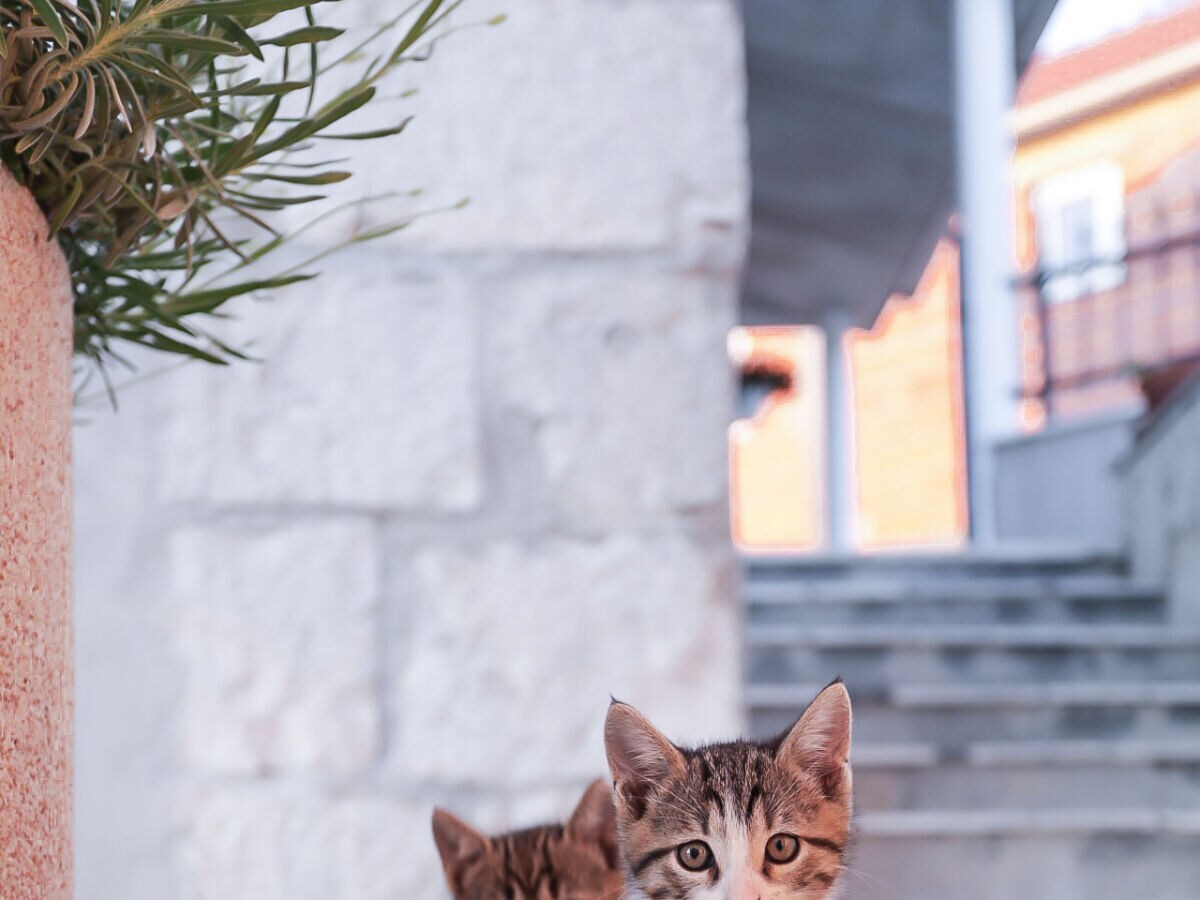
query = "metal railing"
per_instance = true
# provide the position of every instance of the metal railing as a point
(1105, 336)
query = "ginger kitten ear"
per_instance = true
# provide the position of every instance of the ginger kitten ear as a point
(595, 820)
(456, 842)
(819, 742)
(638, 755)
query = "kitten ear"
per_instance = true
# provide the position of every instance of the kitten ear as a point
(595, 820)
(638, 755)
(456, 842)
(819, 742)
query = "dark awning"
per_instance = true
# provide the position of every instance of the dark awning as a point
(852, 149)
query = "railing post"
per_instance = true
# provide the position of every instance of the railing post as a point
(1044, 341)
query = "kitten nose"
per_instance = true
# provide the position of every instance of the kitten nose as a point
(745, 891)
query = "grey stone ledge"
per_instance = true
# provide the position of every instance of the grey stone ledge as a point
(1020, 822)
(999, 637)
(966, 590)
(1006, 694)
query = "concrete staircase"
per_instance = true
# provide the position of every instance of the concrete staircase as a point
(1026, 726)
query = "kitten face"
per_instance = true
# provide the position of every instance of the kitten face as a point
(738, 821)
(577, 861)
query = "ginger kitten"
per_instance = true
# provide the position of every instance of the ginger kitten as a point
(577, 861)
(736, 821)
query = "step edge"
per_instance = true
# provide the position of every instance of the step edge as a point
(1083, 635)
(1009, 695)
(1026, 822)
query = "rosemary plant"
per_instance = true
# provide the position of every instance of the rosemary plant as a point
(143, 127)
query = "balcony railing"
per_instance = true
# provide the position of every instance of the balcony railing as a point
(1088, 351)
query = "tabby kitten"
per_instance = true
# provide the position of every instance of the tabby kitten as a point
(577, 861)
(736, 821)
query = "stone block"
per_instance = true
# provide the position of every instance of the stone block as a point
(581, 125)
(275, 630)
(512, 651)
(365, 397)
(623, 375)
(291, 842)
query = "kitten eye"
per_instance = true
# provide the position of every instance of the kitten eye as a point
(783, 848)
(694, 856)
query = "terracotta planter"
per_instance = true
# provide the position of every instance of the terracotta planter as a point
(36, 665)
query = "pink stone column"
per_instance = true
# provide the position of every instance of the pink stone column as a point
(36, 652)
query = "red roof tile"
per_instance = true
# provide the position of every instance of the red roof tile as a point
(1047, 76)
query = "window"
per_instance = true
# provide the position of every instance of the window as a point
(1081, 230)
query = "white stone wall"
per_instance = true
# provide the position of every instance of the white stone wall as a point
(476, 486)
(1162, 496)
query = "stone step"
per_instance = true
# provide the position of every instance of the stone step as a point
(1065, 693)
(1007, 612)
(965, 785)
(910, 653)
(1035, 559)
(1068, 753)
(895, 756)
(1034, 637)
(903, 755)
(968, 712)
(1026, 726)
(968, 695)
(961, 727)
(932, 664)
(952, 857)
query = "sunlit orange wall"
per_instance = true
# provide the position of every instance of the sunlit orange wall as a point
(775, 457)
(909, 434)
(908, 429)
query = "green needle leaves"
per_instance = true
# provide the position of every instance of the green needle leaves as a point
(156, 134)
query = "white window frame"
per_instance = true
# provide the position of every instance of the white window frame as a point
(1102, 184)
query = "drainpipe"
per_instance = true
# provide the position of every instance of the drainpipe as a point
(985, 66)
(36, 647)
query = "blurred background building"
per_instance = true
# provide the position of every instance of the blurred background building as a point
(1104, 141)
(980, 505)
(487, 472)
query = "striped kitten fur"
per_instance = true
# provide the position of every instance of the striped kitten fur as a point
(736, 821)
(576, 861)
